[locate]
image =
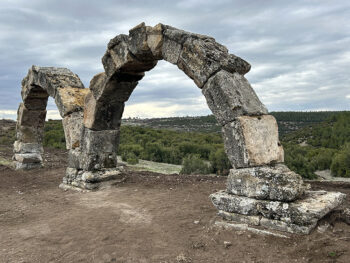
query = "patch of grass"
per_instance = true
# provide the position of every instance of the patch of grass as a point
(6, 162)
(155, 167)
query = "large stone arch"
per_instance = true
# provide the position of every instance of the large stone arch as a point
(69, 94)
(251, 136)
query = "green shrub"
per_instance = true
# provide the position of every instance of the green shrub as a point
(341, 162)
(192, 164)
(130, 158)
(219, 162)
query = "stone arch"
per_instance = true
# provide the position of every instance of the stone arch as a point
(69, 93)
(251, 136)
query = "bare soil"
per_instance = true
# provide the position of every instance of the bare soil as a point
(147, 218)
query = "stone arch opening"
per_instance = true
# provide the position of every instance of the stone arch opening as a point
(68, 92)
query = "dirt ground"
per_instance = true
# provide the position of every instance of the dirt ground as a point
(147, 218)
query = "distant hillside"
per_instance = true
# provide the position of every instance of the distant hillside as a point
(312, 140)
(287, 121)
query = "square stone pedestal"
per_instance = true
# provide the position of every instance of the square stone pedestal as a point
(300, 216)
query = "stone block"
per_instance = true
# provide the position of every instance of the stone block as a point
(28, 157)
(105, 141)
(267, 223)
(230, 95)
(36, 103)
(70, 99)
(50, 79)
(102, 115)
(138, 45)
(251, 220)
(304, 211)
(73, 128)
(98, 150)
(173, 39)
(155, 40)
(28, 134)
(33, 92)
(112, 89)
(252, 141)
(118, 58)
(287, 227)
(27, 166)
(264, 182)
(32, 118)
(201, 58)
(21, 147)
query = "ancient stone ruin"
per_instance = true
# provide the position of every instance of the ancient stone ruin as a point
(261, 191)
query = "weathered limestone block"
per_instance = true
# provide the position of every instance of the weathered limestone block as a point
(267, 223)
(27, 166)
(33, 118)
(251, 220)
(28, 157)
(118, 58)
(70, 99)
(34, 97)
(32, 92)
(252, 141)
(98, 150)
(73, 128)
(201, 57)
(287, 227)
(90, 180)
(111, 89)
(102, 115)
(138, 44)
(21, 147)
(155, 40)
(265, 182)
(230, 95)
(50, 79)
(29, 134)
(305, 211)
(105, 141)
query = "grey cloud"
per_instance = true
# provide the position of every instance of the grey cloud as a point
(299, 50)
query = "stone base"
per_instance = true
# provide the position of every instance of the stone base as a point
(27, 166)
(91, 180)
(300, 216)
(252, 229)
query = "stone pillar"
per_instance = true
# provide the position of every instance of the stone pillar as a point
(28, 148)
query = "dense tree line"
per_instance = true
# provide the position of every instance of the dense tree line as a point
(323, 144)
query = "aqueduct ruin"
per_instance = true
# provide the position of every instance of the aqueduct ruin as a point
(260, 189)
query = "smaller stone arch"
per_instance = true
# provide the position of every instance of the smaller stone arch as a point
(69, 94)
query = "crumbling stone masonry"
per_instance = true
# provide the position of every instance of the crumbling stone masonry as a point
(260, 189)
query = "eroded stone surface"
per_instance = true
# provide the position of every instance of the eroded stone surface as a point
(70, 100)
(28, 157)
(265, 182)
(21, 147)
(90, 179)
(267, 223)
(305, 211)
(252, 141)
(229, 95)
(73, 128)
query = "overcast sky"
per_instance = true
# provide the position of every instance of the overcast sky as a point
(299, 50)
